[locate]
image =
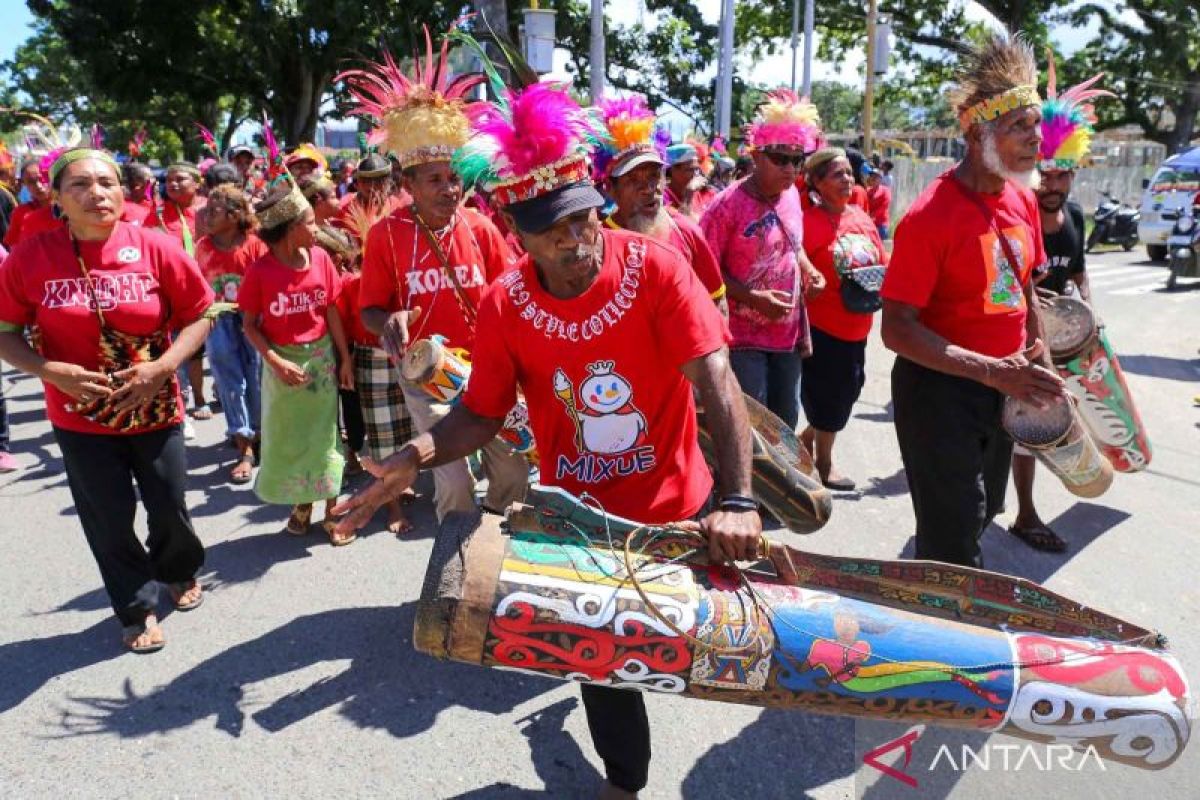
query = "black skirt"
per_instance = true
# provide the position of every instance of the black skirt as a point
(833, 378)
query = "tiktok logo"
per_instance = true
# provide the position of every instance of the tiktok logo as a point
(905, 741)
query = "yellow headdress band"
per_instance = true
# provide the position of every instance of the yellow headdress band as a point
(999, 105)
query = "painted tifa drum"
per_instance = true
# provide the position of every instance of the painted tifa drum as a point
(560, 589)
(442, 372)
(1056, 438)
(783, 476)
(1070, 327)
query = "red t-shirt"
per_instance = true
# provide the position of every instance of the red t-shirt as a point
(853, 243)
(401, 271)
(290, 303)
(143, 281)
(858, 197)
(16, 224)
(948, 262)
(40, 220)
(879, 198)
(348, 308)
(610, 409)
(170, 219)
(700, 200)
(224, 269)
(686, 237)
(135, 214)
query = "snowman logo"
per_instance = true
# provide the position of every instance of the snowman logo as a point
(606, 420)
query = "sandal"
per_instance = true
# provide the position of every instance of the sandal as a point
(202, 412)
(337, 541)
(144, 637)
(408, 497)
(243, 470)
(298, 522)
(187, 595)
(1040, 537)
(839, 484)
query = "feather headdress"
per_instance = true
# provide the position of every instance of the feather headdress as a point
(539, 139)
(1067, 121)
(6, 157)
(97, 136)
(210, 141)
(136, 143)
(997, 77)
(419, 117)
(632, 129)
(785, 119)
(290, 207)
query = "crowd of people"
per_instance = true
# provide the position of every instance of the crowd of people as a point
(606, 288)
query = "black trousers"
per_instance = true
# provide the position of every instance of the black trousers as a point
(956, 458)
(101, 470)
(3, 416)
(352, 419)
(620, 733)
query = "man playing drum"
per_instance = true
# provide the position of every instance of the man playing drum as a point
(426, 265)
(1066, 136)
(605, 332)
(957, 307)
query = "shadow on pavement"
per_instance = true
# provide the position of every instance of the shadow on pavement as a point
(780, 754)
(388, 686)
(28, 665)
(1172, 369)
(557, 758)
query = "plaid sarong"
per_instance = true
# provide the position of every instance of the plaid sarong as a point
(389, 427)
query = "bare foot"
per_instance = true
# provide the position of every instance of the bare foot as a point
(397, 522)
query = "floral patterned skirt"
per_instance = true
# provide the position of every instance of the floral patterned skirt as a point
(302, 458)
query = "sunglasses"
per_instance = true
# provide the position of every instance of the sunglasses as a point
(783, 160)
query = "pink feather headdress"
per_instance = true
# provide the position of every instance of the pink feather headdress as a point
(633, 131)
(210, 141)
(1067, 121)
(535, 141)
(420, 117)
(785, 120)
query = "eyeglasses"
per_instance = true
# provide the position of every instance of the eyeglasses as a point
(783, 160)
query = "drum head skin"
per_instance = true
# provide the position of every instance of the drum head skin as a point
(420, 359)
(1036, 427)
(1070, 325)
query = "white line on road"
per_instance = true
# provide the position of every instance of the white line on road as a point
(1106, 281)
(1108, 272)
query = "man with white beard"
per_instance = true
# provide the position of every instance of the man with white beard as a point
(630, 162)
(958, 307)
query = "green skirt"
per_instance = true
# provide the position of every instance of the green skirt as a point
(302, 458)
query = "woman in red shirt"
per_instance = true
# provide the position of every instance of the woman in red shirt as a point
(36, 216)
(288, 299)
(838, 236)
(100, 289)
(224, 254)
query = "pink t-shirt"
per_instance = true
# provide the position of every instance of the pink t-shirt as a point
(291, 302)
(756, 243)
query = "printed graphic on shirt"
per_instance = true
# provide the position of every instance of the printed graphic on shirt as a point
(226, 286)
(296, 302)
(1003, 294)
(554, 327)
(854, 250)
(428, 281)
(111, 291)
(610, 431)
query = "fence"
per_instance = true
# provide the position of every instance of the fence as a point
(911, 177)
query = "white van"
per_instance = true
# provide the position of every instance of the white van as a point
(1173, 186)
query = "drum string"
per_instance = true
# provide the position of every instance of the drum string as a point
(624, 554)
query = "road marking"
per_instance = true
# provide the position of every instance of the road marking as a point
(1145, 288)
(1107, 282)
(1103, 275)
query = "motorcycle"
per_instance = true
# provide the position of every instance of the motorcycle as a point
(1115, 223)
(1182, 247)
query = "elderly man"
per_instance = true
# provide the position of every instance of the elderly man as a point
(687, 190)
(958, 307)
(755, 228)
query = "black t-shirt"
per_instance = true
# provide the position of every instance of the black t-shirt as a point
(1064, 251)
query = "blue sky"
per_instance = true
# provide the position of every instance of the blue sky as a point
(16, 27)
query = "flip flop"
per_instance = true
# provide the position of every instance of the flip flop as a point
(178, 590)
(131, 633)
(842, 484)
(246, 477)
(334, 539)
(202, 412)
(298, 522)
(1040, 537)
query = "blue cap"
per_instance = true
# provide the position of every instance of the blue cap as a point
(681, 152)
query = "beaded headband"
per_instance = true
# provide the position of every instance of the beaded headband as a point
(998, 105)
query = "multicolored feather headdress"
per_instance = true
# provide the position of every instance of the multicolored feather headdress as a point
(419, 118)
(291, 207)
(785, 120)
(1067, 121)
(634, 136)
(210, 141)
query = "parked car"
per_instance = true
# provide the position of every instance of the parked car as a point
(1168, 194)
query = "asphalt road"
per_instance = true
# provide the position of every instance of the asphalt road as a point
(297, 678)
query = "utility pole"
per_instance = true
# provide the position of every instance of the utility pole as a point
(725, 71)
(596, 52)
(809, 23)
(795, 39)
(869, 95)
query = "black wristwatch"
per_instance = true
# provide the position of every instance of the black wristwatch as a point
(738, 502)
